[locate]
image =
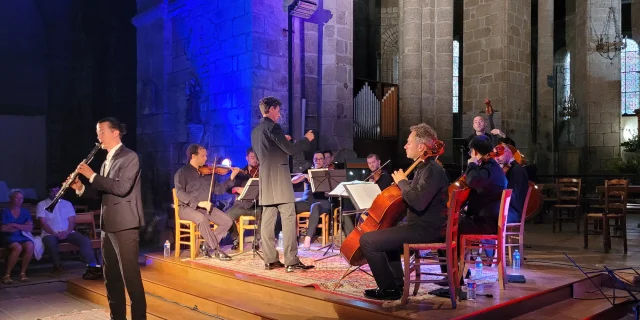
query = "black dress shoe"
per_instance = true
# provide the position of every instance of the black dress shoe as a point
(299, 266)
(380, 294)
(204, 251)
(92, 273)
(221, 255)
(273, 265)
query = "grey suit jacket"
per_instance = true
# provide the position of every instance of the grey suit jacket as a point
(120, 193)
(273, 150)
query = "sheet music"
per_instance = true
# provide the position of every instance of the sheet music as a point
(251, 181)
(363, 194)
(341, 191)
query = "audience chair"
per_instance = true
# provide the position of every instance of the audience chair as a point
(567, 207)
(615, 207)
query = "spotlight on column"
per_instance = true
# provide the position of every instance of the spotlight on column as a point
(226, 163)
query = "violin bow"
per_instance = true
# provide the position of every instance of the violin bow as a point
(213, 175)
(372, 173)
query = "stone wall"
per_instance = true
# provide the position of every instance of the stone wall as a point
(426, 68)
(544, 146)
(497, 60)
(390, 18)
(202, 68)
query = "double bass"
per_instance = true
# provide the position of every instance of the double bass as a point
(387, 209)
(535, 199)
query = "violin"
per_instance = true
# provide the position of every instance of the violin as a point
(221, 170)
(461, 182)
(376, 176)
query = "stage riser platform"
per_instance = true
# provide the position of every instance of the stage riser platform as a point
(294, 305)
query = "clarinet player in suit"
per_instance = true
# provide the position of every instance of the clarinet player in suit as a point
(273, 148)
(118, 186)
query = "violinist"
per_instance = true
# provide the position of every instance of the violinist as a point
(244, 207)
(426, 197)
(487, 181)
(193, 190)
(316, 203)
(517, 180)
(328, 159)
(380, 177)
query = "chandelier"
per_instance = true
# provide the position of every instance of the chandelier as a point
(609, 42)
(568, 108)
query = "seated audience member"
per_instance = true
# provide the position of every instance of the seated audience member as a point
(13, 221)
(57, 227)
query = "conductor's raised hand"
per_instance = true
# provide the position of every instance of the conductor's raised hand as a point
(309, 135)
(85, 170)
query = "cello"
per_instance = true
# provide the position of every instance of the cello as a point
(535, 199)
(387, 209)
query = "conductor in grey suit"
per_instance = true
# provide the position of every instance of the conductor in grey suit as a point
(118, 185)
(273, 148)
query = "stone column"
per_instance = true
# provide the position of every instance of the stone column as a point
(497, 63)
(335, 117)
(544, 147)
(426, 67)
(596, 88)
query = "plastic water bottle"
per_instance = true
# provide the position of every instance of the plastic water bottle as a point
(280, 240)
(478, 266)
(471, 293)
(167, 249)
(516, 260)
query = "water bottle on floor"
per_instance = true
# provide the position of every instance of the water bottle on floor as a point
(516, 260)
(167, 249)
(471, 293)
(478, 267)
(280, 240)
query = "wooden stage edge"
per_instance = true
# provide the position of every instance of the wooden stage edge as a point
(187, 290)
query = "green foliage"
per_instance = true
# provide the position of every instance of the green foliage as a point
(632, 145)
(631, 165)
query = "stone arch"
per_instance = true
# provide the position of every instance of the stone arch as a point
(390, 59)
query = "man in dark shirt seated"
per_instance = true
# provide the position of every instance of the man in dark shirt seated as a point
(517, 180)
(426, 198)
(486, 180)
(194, 200)
(383, 180)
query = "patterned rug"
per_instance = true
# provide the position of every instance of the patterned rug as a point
(326, 274)
(95, 314)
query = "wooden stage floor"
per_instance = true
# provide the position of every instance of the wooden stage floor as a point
(553, 290)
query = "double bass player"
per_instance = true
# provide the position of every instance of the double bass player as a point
(426, 198)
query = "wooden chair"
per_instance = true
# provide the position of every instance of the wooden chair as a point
(186, 231)
(470, 241)
(514, 234)
(303, 223)
(568, 195)
(615, 207)
(451, 260)
(245, 223)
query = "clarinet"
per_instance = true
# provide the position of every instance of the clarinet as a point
(73, 177)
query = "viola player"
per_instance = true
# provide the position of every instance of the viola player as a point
(426, 197)
(517, 180)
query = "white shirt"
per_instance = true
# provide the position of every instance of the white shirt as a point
(58, 220)
(106, 164)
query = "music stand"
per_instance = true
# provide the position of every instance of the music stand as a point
(250, 192)
(324, 180)
(463, 145)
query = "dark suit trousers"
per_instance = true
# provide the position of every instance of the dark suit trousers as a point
(202, 219)
(317, 208)
(383, 249)
(120, 258)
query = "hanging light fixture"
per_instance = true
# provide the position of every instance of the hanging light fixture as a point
(609, 42)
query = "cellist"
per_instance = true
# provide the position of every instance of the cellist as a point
(517, 180)
(426, 198)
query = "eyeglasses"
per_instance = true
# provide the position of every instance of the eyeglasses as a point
(316, 159)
